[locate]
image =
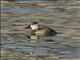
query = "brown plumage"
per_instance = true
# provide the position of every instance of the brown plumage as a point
(40, 30)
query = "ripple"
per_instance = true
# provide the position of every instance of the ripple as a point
(21, 10)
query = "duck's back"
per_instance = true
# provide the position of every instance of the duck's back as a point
(45, 31)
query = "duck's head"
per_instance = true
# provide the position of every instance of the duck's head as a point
(33, 26)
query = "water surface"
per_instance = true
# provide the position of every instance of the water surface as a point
(15, 44)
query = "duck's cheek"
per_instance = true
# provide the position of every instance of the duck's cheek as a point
(34, 27)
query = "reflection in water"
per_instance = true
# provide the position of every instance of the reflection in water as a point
(64, 50)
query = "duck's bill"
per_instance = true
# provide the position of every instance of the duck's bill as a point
(28, 26)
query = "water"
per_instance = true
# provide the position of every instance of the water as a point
(40, 0)
(63, 50)
(21, 10)
(15, 44)
(44, 0)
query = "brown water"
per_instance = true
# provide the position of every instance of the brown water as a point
(63, 17)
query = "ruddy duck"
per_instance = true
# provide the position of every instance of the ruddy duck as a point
(40, 30)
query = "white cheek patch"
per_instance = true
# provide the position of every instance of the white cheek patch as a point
(34, 27)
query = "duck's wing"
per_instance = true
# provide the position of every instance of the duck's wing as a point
(53, 32)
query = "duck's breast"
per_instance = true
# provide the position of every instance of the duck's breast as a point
(40, 32)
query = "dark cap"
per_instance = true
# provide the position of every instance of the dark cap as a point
(34, 22)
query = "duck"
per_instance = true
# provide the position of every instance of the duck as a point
(40, 30)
